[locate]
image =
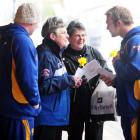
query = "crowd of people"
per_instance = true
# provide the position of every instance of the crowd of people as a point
(40, 96)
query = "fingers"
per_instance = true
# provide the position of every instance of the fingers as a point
(36, 106)
(107, 80)
(45, 72)
(78, 82)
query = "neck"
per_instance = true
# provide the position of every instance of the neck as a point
(125, 30)
(26, 27)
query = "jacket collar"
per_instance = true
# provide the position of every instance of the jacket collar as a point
(53, 47)
(132, 32)
(82, 52)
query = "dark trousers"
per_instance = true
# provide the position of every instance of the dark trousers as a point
(43, 132)
(126, 127)
(93, 130)
(14, 129)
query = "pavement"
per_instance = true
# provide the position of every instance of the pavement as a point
(112, 131)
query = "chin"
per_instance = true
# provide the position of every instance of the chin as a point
(113, 35)
(81, 47)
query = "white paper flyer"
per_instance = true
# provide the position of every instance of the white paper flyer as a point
(91, 69)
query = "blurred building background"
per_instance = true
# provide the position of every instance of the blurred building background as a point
(90, 12)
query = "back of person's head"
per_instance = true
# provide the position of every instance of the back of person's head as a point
(73, 26)
(51, 25)
(120, 13)
(27, 13)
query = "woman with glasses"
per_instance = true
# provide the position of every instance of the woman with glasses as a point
(54, 82)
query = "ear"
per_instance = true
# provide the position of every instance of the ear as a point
(119, 22)
(52, 36)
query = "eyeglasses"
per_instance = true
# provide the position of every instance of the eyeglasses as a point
(62, 32)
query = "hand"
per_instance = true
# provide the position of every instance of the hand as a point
(107, 80)
(78, 81)
(84, 79)
(45, 72)
(36, 106)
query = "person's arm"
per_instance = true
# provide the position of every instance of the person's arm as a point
(101, 60)
(48, 81)
(129, 70)
(26, 67)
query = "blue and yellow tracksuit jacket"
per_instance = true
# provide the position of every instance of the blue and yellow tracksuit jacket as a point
(128, 75)
(54, 86)
(18, 74)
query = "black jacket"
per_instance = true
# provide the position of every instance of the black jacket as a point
(80, 98)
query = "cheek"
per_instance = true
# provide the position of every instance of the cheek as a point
(65, 39)
(76, 40)
(84, 40)
(64, 42)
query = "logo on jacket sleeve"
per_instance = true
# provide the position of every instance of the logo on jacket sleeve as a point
(61, 69)
(136, 48)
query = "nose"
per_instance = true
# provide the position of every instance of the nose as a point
(67, 36)
(82, 37)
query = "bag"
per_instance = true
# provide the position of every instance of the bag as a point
(103, 103)
(5, 38)
(5, 50)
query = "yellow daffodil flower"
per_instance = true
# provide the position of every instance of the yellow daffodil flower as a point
(113, 53)
(82, 61)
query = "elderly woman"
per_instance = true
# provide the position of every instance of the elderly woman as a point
(81, 97)
(54, 82)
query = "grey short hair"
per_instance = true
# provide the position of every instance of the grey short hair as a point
(73, 26)
(51, 25)
(120, 13)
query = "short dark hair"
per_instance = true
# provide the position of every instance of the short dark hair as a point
(51, 25)
(73, 26)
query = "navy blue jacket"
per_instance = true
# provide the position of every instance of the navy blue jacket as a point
(53, 85)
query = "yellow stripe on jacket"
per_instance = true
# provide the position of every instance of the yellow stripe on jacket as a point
(134, 129)
(16, 91)
(137, 89)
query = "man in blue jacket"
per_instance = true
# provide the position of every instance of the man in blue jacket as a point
(54, 82)
(19, 94)
(127, 67)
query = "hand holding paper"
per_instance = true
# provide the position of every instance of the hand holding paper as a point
(79, 72)
(106, 73)
(92, 69)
